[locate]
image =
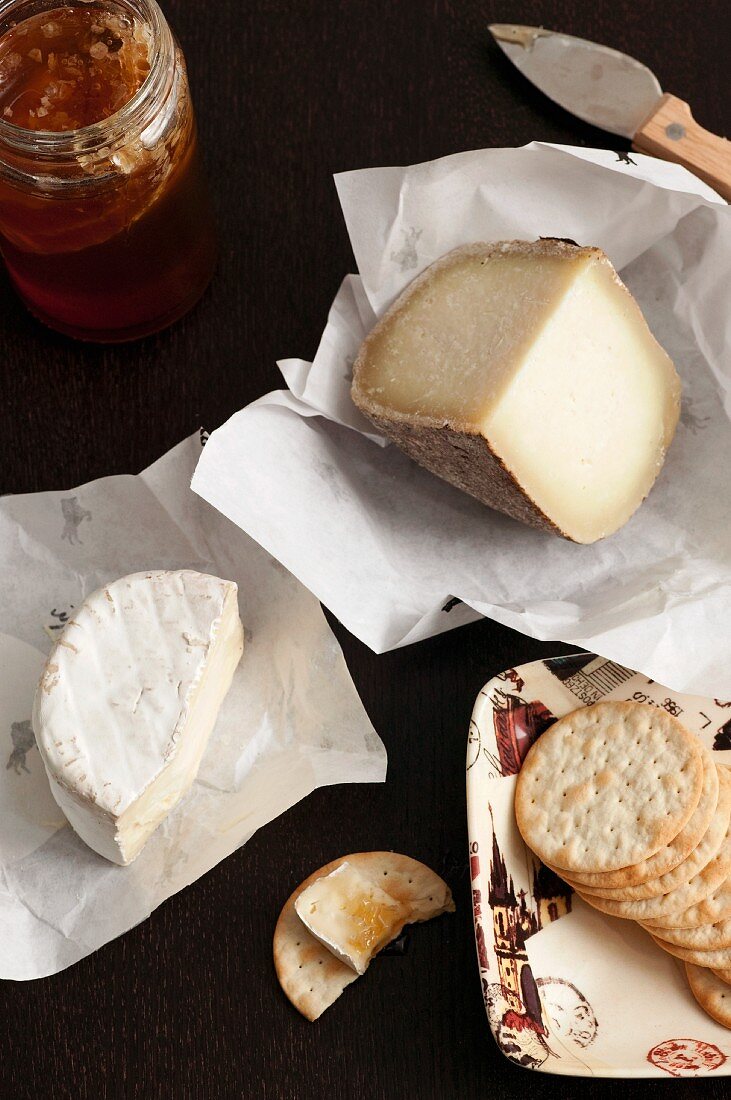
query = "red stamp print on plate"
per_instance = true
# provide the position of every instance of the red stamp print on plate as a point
(686, 1057)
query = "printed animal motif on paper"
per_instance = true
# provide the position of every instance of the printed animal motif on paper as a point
(520, 1030)
(407, 257)
(517, 725)
(690, 419)
(74, 515)
(23, 740)
(349, 361)
(686, 1057)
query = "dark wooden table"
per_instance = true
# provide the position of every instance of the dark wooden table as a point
(288, 92)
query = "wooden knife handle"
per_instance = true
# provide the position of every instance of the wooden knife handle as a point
(672, 133)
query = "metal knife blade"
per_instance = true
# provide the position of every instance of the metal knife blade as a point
(597, 84)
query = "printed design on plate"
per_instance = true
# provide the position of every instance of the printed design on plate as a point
(513, 1002)
(590, 679)
(686, 1057)
(407, 258)
(587, 676)
(23, 740)
(482, 958)
(668, 704)
(74, 515)
(517, 724)
(519, 1037)
(722, 740)
(569, 1011)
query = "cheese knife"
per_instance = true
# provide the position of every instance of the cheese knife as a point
(616, 93)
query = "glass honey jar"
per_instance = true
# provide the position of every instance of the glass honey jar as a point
(106, 225)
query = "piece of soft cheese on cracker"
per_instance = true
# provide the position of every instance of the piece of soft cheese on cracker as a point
(351, 916)
(525, 374)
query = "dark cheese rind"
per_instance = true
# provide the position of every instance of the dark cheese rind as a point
(467, 462)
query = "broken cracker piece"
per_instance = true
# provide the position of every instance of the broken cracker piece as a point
(313, 976)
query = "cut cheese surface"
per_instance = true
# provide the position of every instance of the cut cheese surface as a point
(128, 699)
(350, 915)
(538, 350)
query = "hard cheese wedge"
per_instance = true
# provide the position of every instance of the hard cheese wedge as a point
(128, 699)
(525, 374)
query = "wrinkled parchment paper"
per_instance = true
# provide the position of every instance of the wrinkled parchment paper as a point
(387, 546)
(291, 722)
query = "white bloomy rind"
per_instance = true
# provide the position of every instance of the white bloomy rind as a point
(128, 699)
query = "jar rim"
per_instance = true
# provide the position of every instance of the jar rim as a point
(85, 139)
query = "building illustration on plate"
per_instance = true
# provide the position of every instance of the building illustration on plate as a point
(518, 915)
(722, 739)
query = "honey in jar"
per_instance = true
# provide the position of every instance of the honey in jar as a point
(105, 219)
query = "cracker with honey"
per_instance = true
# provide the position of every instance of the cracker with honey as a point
(311, 975)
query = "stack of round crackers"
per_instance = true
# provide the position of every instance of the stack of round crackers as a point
(628, 807)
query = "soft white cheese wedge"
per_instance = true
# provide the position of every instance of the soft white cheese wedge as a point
(350, 915)
(525, 374)
(128, 699)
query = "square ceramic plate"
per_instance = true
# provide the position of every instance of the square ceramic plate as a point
(567, 989)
